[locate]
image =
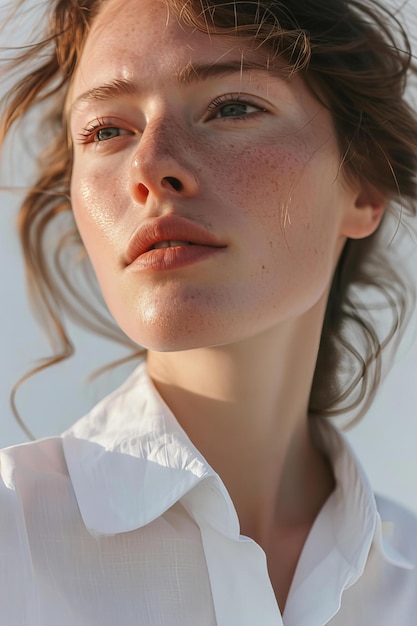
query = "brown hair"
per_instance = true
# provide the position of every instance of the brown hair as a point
(356, 58)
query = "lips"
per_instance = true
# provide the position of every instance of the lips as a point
(170, 244)
(168, 231)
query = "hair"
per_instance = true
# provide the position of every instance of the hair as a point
(356, 58)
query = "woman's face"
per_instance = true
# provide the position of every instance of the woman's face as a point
(177, 142)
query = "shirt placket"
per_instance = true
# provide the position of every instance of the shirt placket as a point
(237, 567)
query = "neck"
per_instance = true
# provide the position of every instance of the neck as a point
(245, 407)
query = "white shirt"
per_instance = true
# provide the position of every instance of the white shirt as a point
(122, 521)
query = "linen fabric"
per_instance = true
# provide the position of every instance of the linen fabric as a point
(121, 520)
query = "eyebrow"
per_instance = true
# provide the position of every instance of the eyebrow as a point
(191, 73)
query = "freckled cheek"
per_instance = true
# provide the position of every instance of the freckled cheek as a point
(285, 194)
(257, 183)
(260, 179)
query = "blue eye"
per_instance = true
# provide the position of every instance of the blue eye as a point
(236, 109)
(101, 131)
(234, 106)
(103, 134)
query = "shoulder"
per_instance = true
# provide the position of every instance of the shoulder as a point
(401, 525)
(36, 504)
(41, 457)
(31, 475)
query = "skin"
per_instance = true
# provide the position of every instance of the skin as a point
(232, 340)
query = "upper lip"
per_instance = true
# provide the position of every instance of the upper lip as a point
(167, 228)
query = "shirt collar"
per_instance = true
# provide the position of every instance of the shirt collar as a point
(129, 461)
(338, 546)
(353, 504)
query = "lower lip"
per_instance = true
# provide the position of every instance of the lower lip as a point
(162, 259)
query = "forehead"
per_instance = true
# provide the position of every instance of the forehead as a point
(147, 33)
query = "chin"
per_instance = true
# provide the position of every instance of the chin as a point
(165, 342)
(175, 333)
(163, 333)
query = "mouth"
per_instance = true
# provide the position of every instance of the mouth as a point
(171, 244)
(168, 231)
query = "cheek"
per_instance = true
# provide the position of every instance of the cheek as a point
(267, 181)
(292, 202)
(97, 209)
(282, 189)
(258, 177)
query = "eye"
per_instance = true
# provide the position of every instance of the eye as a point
(236, 109)
(100, 131)
(103, 134)
(234, 106)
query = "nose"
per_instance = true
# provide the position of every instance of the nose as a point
(161, 166)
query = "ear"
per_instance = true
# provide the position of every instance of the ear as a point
(364, 214)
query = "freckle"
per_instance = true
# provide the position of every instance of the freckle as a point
(263, 267)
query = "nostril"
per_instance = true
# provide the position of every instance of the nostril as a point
(173, 182)
(143, 190)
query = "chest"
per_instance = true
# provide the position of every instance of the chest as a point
(283, 554)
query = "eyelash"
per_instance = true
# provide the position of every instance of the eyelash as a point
(89, 133)
(233, 98)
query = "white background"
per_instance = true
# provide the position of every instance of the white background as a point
(386, 440)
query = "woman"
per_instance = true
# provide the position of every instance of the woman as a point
(229, 166)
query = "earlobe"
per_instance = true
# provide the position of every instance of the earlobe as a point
(365, 214)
